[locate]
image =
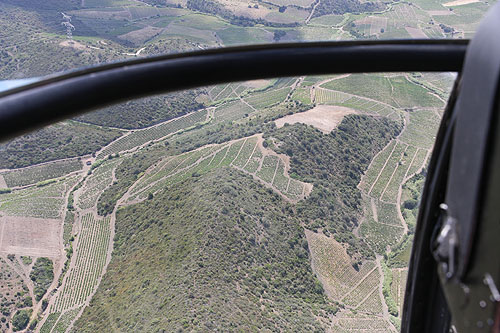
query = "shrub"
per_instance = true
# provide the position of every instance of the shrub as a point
(21, 319)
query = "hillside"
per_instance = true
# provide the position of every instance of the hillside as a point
(207, 255)
(340, 159)
(228, 250)
(63, 140)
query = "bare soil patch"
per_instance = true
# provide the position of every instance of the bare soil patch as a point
(28, 236)
(142, 35)
(440, 12)
(240, 8)
(256, 84)
(74, 44)
(323, 117)
(416, 33)
(459, 3)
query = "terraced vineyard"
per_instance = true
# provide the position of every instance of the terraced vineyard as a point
(302, 95)
(422, 128)
(63, 321)
(382, 226)
(267, 99)
(38, 201)
(398, 286)
(365, 105)
(38, 173)
(393, 90)
(384, 184)
(247, 155)
(193, 147)
(98, 182)
(50, 322)
(227, 91)
(87, 264)
(358, 290)
(140, 137)
(232, 111)
(334, 268)
(327, 96)
(354, 283)
(363, 290)
(380, 235)
(356, 323)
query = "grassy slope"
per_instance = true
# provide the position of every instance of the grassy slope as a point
(42, 54)
(208, 255)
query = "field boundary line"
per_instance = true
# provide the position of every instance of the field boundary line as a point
(275, 170)
(393, 172)
(358, 283)
(251, 155)
(239, 151)
(383, 167)
(366, 297)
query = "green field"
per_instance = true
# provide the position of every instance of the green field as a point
(43, 201)
(392, 90)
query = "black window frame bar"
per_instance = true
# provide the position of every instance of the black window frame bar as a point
(66, 95)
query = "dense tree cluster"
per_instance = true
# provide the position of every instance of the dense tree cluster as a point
(42, 275)
(147, 111)
(334, 163)
(21, 319)
(337, 7)
(63, 140)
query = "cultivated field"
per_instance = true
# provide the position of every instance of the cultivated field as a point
(323, 117)
(87, 264)
(42, 201)
(101, 178)
(35, 174)
(247, 155)
(38, 220)
(138, 138)
(335, 270)
(30, 236)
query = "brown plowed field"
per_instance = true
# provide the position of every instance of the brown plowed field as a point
(30, 236)
(323, 117)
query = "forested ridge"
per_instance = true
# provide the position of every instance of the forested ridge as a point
(334, 163)
(214, 253)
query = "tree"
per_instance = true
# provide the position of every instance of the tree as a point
(20, 320)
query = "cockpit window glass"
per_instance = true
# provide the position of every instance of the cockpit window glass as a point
(283, 204)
